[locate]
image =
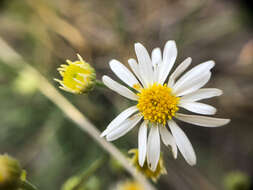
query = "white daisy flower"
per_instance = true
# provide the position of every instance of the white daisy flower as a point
(158, 102)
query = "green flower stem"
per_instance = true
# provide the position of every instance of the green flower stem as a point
(26, 185)
(84, 176)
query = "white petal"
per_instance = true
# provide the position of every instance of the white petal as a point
(120, 89)
(123, 73)
(202, 120)
(125, 127)
(193, 84)
(198, 107)
(179, 70)
(145, 64)
(156, 56)
(201, 94)
(135, 68)
(168, 139)
(119, 119)
(193, 73)
(142, 143)
(183, 143)
(153, 149)
(169, 58)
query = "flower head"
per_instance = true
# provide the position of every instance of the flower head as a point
(159, 102)
(10, 173)
(77, 77)
(145, 170)
(129, 185)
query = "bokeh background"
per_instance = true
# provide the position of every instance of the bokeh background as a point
(46, 33)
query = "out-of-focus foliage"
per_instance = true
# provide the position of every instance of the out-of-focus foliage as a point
(237, 181)
(46, 33)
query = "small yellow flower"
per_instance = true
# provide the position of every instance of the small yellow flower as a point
(154, 175)
(129, 185)
(10, 173)
(78, 77)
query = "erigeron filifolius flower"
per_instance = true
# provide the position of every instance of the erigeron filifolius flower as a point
(145, 170)
(78, 77)
(159, 103)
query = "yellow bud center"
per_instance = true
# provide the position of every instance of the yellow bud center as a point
(157, 104)
(77, 77)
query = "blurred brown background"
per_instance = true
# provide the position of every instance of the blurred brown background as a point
(46, 33)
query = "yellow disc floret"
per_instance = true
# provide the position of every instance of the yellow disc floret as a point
(157, 104)
(129, 185)
(77, 77)
(154, 175)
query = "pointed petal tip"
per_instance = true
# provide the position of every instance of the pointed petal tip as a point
(212, 64)
(157, 49)
(192, 163)
(109, 139)
(103, 134)
(171, 42)
(226, 121)
(104, 77)
(220, 92)
(137, 45)
(175, 153)
(152, 167)
(141, 162)
(112, 61)
(188, 59)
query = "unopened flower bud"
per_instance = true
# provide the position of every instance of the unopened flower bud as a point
(78, 77)
(10, 173)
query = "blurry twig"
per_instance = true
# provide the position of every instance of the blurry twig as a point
(58, 24)
(13, 59)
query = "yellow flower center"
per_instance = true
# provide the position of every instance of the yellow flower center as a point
(157, 104)
(131, 186)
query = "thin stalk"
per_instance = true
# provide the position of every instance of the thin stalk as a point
(26, 185)
(95, 165)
